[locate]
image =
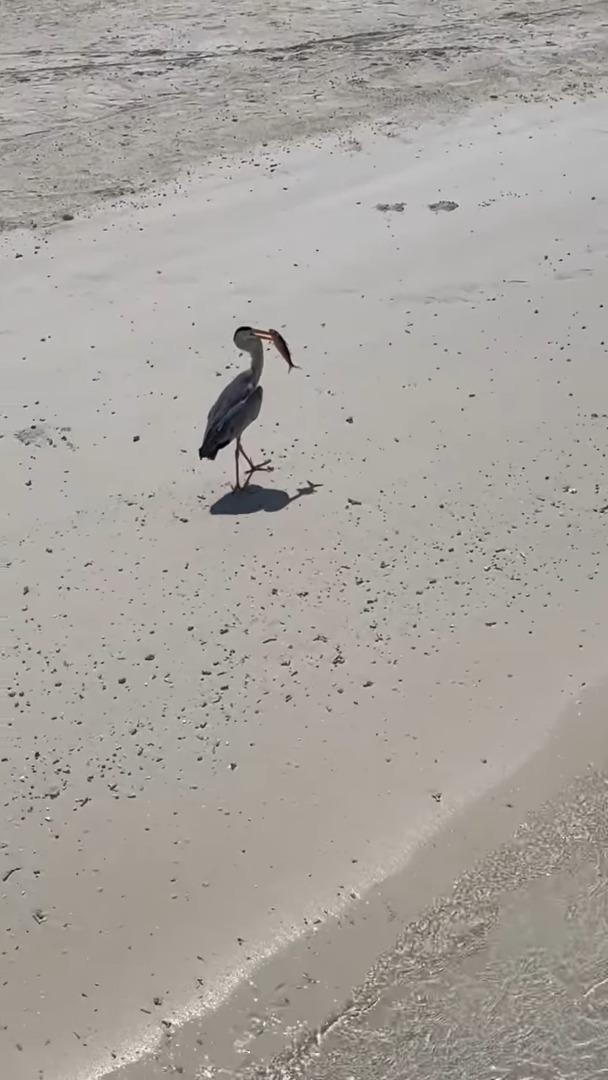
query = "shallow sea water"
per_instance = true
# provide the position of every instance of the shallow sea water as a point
(506, 979)
(102, 100)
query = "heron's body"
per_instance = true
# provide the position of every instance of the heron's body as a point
(236, 408)
(240, 402)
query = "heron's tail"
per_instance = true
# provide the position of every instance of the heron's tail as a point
(209, 452)
(216, 437)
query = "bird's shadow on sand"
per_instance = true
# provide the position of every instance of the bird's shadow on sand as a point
(252, 499)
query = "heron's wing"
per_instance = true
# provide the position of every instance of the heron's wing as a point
(231, 398)
(232, 412)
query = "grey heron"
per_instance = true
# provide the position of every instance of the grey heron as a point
(240, 402)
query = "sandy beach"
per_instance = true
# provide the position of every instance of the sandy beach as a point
(249, 738)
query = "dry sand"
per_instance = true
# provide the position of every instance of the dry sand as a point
(230, 716)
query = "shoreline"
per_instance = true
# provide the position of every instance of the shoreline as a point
(290, 1002)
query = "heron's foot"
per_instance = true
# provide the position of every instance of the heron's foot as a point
(264, 466)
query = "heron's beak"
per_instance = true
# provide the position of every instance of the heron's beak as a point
(265, 334)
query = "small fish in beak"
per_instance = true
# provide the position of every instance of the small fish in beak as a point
(283, 348)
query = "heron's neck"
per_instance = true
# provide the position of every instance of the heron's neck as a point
(256, 352)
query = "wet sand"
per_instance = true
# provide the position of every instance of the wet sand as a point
(231, 718)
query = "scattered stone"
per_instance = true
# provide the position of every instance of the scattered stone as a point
(443, 204)
(35, 435)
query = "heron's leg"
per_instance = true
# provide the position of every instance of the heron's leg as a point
(237, 486)
(264, 466)
(248, 459)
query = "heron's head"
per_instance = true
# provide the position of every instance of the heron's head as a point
(246, 338)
